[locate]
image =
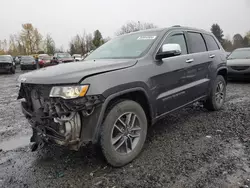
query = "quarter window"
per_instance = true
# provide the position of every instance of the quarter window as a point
(211, 43)
(177, 39)
(197, 43)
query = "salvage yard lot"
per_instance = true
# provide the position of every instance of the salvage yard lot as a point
(190, 148)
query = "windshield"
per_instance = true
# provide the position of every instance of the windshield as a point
(126, 46)
(5, 58)
(240, 54)
(63, 55)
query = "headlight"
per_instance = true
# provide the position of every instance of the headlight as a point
(69, 92)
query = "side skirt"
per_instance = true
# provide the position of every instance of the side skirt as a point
(180, 107)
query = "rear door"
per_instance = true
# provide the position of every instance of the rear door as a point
(197, 77)
(214, 52)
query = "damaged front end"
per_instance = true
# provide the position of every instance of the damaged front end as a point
(67, 122)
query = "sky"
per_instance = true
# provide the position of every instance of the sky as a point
(63, 19)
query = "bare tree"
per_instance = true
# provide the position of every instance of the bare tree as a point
(12, 46)
(76, 45)
(30, 38)
(106, 39)
(89, 43)
(49, 45)
(37, 40)
(134, 26)
(238, 41)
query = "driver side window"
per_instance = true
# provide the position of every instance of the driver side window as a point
(177, 39)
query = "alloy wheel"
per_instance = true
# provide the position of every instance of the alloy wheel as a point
(126, 133)
(220, 94)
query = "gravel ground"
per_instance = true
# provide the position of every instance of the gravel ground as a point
(190, 148)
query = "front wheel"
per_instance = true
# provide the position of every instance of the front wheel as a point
(123, 133)
(13, 70)
(217, 94)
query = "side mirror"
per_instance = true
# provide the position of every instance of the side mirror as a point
(169, 50)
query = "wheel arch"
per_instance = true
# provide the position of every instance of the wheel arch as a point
(223, 72)
(137, 94)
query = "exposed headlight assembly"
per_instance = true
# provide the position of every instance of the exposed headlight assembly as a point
(69, 92)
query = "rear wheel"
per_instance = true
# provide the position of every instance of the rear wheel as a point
(217, 94)
(123, 133)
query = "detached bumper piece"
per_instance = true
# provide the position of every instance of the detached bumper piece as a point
(56, 120)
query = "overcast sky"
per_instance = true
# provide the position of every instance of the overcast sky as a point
(65, 18)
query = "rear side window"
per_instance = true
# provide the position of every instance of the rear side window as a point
(211, 43)
(196, 42)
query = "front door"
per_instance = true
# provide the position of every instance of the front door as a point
(170, 81)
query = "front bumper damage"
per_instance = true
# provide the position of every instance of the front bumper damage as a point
(71, 123)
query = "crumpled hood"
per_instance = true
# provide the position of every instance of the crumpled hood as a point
(238, 62)
(73, 72)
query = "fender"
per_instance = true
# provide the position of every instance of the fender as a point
(106, 102)
(222, 67)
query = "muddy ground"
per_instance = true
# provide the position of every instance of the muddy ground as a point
(190, 148)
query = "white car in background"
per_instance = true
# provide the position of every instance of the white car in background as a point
(77, 57)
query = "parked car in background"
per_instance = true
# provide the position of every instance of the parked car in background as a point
(238, 63)
(85, 55)
(62, 58)
(7, 64)
(42, 55)
(44, 61)
(11, 57)
(123, 87)
(77, 57)
(227, 54)
(28, 62)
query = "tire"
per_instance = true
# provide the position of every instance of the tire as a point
(123, 155)
(13, 70)
(21, 67)
(212, 103)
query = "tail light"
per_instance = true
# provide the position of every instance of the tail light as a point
(41, 62)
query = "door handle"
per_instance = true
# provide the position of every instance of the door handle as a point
(212, 56)
(189, 60)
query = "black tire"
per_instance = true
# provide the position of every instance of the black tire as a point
(212, 103)
(13, 70)
(21, 67)
(113, 157)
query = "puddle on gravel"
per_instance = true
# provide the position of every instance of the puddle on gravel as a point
(15, 143)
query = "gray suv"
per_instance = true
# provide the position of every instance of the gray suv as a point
(123, 87)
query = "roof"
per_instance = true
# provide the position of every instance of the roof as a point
(172, 28)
